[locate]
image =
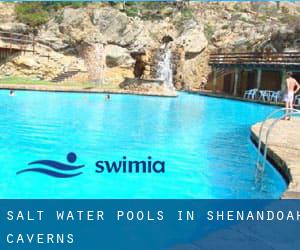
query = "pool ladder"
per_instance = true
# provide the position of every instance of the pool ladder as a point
(260, 164)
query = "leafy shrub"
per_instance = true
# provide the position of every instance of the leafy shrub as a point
(32, 14)
(284, 10)
(132, 12)
(187, 13)
(225, 27)
(208, 31)
(148, 10)
(38, 13)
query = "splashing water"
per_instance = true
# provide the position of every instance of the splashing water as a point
(165, 71)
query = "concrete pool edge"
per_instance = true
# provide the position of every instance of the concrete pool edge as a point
(282, 157)
(234, 98)
(74, 89)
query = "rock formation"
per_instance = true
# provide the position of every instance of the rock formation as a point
(131, 41)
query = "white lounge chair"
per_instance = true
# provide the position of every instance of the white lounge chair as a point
(264, 95)
(275, 96)
(297, 99)
(246, 94)
(250, 94)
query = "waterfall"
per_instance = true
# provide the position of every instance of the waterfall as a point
(165, 71)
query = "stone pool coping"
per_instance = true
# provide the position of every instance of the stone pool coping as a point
(78, 89)
(283, 152)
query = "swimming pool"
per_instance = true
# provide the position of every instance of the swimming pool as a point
(203, 141)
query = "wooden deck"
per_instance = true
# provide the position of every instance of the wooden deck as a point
(12, 43)
(290, 60)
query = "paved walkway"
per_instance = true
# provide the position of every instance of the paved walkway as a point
(284, 151)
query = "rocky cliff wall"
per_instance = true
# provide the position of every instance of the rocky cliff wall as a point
(194, 31)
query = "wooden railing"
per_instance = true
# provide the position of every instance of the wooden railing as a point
(16, 41)
(255, 58)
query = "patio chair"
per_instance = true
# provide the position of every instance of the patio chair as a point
(250, 94)
(275, 96)
(246, 94)
(253, 94)
(264, 95)
(297, 99)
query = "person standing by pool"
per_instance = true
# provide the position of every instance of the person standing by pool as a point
(292, 88)
(203, 83)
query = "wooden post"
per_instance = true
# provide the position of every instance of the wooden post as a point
(33, 44)
(214, 83)
(10, 42)
(258, 78)
(236, 81)
(231, 83)
(283, 80)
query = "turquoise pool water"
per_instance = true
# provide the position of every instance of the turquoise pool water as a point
(204, 142)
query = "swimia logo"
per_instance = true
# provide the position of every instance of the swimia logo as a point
(55, 168)
(61, 170)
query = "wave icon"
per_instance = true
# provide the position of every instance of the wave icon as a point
(57, 169)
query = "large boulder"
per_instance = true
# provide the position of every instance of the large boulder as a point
(76, 26)
(74, 18)
(192, 37)
(111, 23)
(152, 87)
(286, 37)
(136, 36)
(25, 61)
(194, 69)
(14, 27)
(52, 39)
(118, 56)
